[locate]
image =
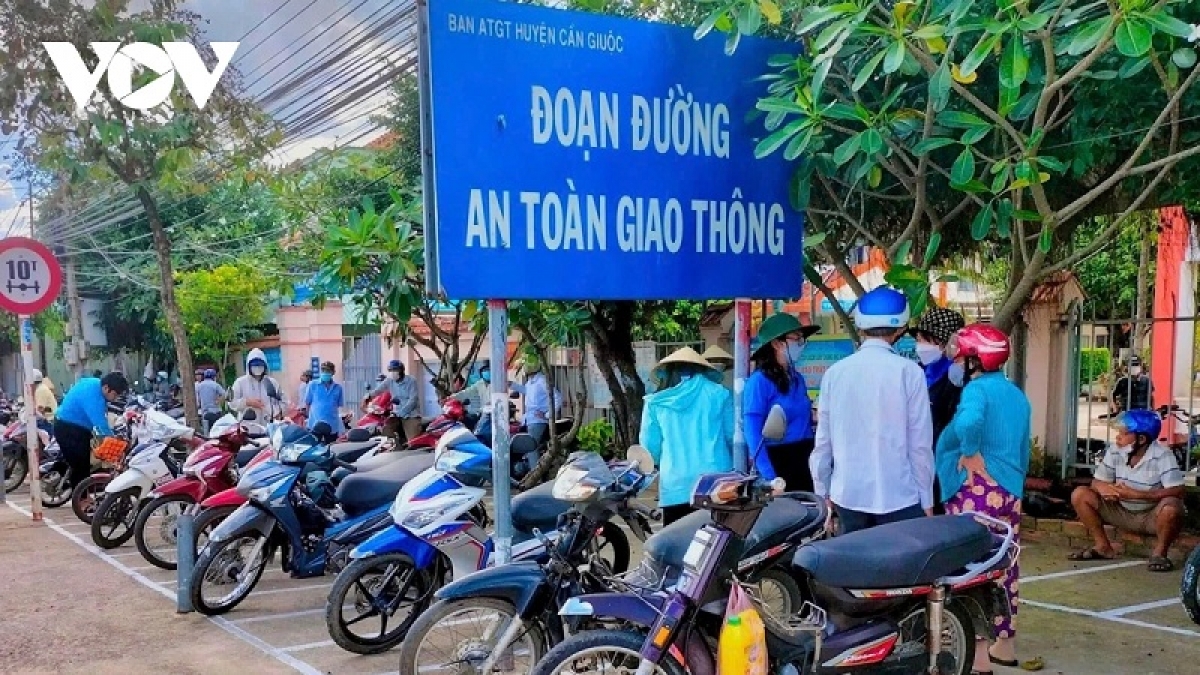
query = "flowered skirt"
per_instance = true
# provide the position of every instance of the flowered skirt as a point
(980, 495)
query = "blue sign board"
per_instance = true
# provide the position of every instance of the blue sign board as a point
(820, 353)
(316, 366)
(581, 156)
(827, 306)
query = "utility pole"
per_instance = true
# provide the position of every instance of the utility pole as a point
(75, 340)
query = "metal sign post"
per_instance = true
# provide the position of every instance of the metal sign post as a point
(741, 370)
(30, 280)
(501, 462)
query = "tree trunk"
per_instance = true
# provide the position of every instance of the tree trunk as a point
(183, 354)
(610, 333)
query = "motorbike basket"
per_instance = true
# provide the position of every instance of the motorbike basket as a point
(111, 450)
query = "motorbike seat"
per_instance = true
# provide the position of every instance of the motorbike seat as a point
(538, 508)
(361, 492)
(348, 452)
(781, 520)
(246, 454)
(521, 445)
(914, 552)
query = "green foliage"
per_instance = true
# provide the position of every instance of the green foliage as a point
(597, 436)
(1093, 363)
(1110, 277)
(221, 307)
(977, 121)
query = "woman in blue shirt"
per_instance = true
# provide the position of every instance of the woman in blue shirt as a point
(777, 380)
(323, 400)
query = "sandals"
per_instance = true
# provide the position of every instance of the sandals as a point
(1160, 564)
(1089, 554)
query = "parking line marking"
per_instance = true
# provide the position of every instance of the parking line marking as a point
(1145, 606)
(1085, 570)
(283, 615)
(1105, 617)
(307, 645)
(273, 652)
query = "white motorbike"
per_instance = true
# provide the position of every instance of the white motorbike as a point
(160, 443)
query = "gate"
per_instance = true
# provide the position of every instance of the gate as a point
(1100, 356)
(362, 361)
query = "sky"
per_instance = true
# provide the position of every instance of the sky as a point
(291, 38)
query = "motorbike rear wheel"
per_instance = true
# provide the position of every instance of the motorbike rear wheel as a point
(470, 648)
(112, 523)
(16, 468)
(1190, 586)
(216, 564)
(612, 546)
(378, 587)
(619, 648)
(170, 507)
(87, 495)
(958, 635)
(55, 490)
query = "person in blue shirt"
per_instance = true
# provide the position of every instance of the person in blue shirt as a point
(687, 427)
(777, 381)
(323, 400)
(84, 411)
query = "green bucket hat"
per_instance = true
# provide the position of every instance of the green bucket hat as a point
(778, 325)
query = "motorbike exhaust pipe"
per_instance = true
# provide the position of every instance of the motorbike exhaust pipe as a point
(933, 619)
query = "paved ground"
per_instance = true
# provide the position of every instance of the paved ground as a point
(74, 609)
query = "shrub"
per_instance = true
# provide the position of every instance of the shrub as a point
(597, 437)
(1093, 363)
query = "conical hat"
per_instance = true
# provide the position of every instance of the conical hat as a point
(684, 355)
(715, 353)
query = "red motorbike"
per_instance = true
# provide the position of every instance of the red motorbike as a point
(212, 469)
(452, 415)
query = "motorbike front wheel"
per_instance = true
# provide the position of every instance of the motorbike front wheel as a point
(224, 563)
(87, 495)
(159, 519)
(55, 489)
(958, 636)
(112, 523)
(16, 468)
(601, 651)
(1190, 586)
(380, 590)
(465, 632)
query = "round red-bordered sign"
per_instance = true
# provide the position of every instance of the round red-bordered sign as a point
(30, 276)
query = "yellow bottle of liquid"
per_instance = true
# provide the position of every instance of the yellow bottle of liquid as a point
(742, 649)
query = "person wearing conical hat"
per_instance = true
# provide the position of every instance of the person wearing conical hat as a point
(720, 358)
(777, 381)
(687, 427)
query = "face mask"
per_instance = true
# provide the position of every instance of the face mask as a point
(326, 377)
(1135, 371)
(258, 371)
(957, 374)
(927, 353)
(395, 375)
(795, 350)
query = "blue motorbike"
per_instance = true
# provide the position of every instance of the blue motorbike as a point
(440, 533)
(294, 508)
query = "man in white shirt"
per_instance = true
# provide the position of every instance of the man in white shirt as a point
(873, 459)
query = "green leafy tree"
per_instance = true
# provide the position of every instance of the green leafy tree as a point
(148, 153)
(927, 126)
(222, 306)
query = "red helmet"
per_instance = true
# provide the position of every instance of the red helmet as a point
(453, 408)
(983, 341)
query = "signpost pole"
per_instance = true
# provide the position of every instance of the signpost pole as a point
(501, 488)
(31, 428)
(741, 369)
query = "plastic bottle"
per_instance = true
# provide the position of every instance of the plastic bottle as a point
(742, 646)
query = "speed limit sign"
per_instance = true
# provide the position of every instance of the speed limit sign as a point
(30, 277)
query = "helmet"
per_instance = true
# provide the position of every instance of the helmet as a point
(37, 375)
(256, 362)
(778, 325)
(940, 324)
(394, 364)
(1144, 422)
(882, 307)
(210, 374)
(453, 408)
(983, 341)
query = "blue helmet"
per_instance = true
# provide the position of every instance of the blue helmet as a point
(882, 307)
(210, 374)
(394, 364)
(1143, 422)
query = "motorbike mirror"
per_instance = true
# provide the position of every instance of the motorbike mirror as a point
(776, 426)
(641, 456)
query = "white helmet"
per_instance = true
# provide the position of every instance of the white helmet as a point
(37, 375)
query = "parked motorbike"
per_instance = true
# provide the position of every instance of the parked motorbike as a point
(294, 507)
(525, 596)
(878, 595)
(1189, 587)
(211, 469)
(452, 416)
(439, 532)
(14, 454)
(152, 462)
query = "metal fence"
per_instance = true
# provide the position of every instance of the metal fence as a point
(361, 361)
(1101, 384)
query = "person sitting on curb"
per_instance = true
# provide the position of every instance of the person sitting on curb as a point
(1137, 488)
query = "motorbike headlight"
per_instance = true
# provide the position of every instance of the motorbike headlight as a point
(449, 460)
(571, 487)
(420, 518)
